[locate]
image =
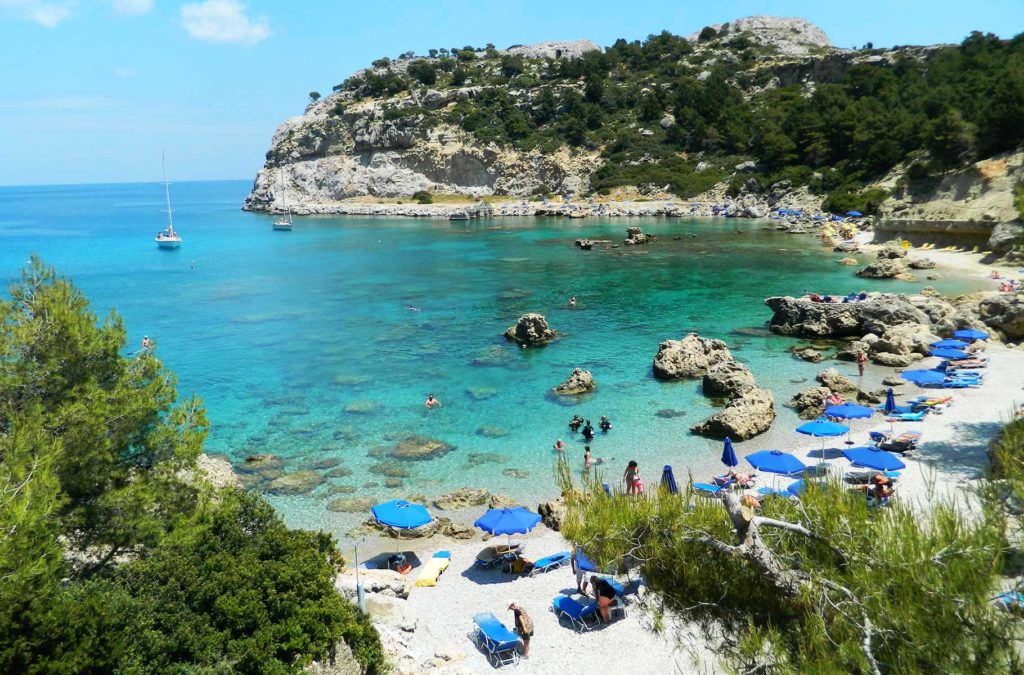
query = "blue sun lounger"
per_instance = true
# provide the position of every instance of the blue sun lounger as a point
(581, 617)
(501, 644)
(706, 489)
(909, 417)
(548, 563)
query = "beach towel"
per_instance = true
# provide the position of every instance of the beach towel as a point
(432, 570)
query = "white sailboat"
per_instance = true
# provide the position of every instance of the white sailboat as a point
(167, 238)
(285, 223)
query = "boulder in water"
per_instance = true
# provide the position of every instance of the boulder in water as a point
(463, 498)
(692, 356)
(579, 382)
(810, 403)
(531, 329)
(745, 417)
(418, 448)
(883, 269)
(729, 379)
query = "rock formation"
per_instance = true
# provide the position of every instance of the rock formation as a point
(531, 329)
(750, 414)
(692, 356)
(884, 268)
(729, 379)
(799, 317)
(578, 382)
(552, 513)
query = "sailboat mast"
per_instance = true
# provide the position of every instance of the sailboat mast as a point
(167, 193)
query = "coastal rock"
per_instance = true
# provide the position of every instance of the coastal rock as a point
(692, 356)
(463, 498)
(894, 360)
(851, 350)
(363, 407)
(552, 513)
(261, 463)
(217, 471)
(481, 393)
(502, 502)
(892, 251)
(893, 381)
(837, 382)
(531, 329)
(921, 264)
(298, 483)
(1005, 236)
(798, 317)
(491, 431)
(809, 354)
(351, 504)
(419, 448)
(579, 382)
(849, 262)
(745, 417)
(905, 276)
(634, 235)
(882, 269)
(729, 379)
(382, 582)
(905, 339)
(1004, 312)
(810, 403)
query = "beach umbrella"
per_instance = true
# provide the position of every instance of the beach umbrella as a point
(728, 454)
(854, 214)
(776, 461)
(401, 514)
(668, 480)
(822, 428)
(508, 521)
(953, 354)
(890, 402)
(949, 344)
(874, 458)
(970, 334)
(923, 377)
(849, 411)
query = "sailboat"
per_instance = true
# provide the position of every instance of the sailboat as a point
(286, 222)
(167, 238)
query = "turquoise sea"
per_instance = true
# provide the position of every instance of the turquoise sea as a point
(303, 343)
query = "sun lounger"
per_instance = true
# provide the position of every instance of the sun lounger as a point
(433, 569)
(500, 644)
(548, 563)
(772, 492)
(580, 617)
(907, 417)
(706, 489)
(1011, 601)
(493, 555)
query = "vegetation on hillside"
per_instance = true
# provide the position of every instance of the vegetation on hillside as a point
(111, 558)
(823, 585)
(943, 107)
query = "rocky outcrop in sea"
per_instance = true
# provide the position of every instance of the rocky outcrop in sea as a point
(531, 330)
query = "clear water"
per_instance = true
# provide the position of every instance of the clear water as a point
(279, 331)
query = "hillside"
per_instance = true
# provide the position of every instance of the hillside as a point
(760, 98)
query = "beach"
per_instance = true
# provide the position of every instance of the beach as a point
(947, 464)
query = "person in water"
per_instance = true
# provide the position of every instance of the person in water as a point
(588, 431)
(431, 402)
(146, 342)
(572, 301)
(575, 423)
(559, 445)
(604, 424)
(586, 461)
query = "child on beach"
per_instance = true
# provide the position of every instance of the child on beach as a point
(632, 478)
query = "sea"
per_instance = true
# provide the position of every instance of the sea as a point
(320, 345)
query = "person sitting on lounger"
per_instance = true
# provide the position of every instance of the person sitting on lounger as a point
(742, 479)
(834, 399)
(605, 596)
(523, 626)
(880, 489)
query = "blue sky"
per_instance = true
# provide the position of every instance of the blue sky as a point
(92, 90)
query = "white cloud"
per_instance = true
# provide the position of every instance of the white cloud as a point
(132, 6)
(223, 21)
(43, 12)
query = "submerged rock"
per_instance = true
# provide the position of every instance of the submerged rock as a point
(745, 417)
(363, 407)
(809, 354)
(351, 504)
(419, 448)
(261, 463)
(692, 356)
(579, 382)
(515, 473)
(488, 431)
(669, 413)
(298, 483)
(531, 329)
(481, 393)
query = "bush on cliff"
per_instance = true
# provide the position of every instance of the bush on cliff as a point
(111, 558)
(423, 197)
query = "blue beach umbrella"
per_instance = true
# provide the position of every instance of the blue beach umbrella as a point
(923, 377)
(949, 344)
(848, 411)
(970, 334)
(954, 354)
(822, 428)
(401, 514)
(728, 454)
(668, 480)
(508, 521)
(874, 458)
(775, 461)
(890, 402)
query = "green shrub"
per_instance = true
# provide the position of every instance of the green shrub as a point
(846, 199)
(423, 197)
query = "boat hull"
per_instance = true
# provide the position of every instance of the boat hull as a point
(168, 243)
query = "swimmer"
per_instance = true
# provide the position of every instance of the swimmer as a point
(412, 309)
(575, 423)
(588, 431)
(572, 301)
(431, 402)
(559, 445)
(604, 424)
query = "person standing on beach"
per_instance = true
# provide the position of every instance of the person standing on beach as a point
(524, 626)
(862, 359)
(581, 577)
(632, 478)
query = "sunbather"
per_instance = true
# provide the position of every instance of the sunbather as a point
(730, 477)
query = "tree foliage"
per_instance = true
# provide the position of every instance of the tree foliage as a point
(824, 585)
(111, 558)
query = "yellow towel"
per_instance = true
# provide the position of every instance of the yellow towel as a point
(432, 570)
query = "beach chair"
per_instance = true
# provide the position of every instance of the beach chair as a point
(907, 417)
(433, 569)
(580, 617)
(548, 563)
(706, 489)
(499, 643)
(493, 555)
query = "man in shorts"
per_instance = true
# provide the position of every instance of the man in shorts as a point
(523, 626)
(581, 579)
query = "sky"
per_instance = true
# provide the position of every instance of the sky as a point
(91, 91)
